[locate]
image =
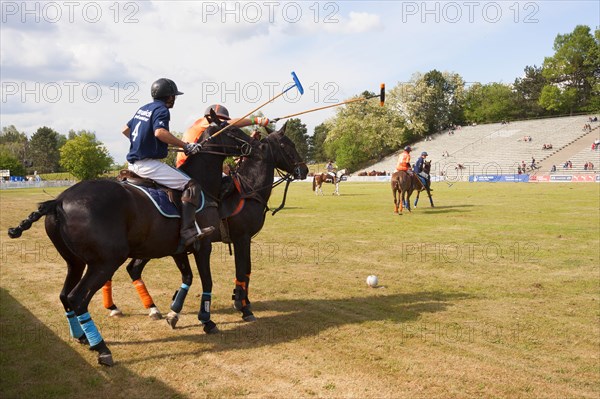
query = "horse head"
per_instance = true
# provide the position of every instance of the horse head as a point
(284, 154)
(427, 167)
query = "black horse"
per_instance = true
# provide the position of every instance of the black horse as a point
(422, 187)
(96, 225)
(244, 216)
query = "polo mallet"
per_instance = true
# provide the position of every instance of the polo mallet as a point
(296, 84)
(381, 96)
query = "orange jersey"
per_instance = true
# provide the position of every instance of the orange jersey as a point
(191, 136)
(403, 161)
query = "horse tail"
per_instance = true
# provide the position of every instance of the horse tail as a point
(43, 209)
(314, 182)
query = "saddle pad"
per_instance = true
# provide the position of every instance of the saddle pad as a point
(162, 203)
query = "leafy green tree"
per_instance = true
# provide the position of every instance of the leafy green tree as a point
(528, 90)
(10, 162)
(316, 147)
(84, 156)
(558, 100)
(575, 70)
(44, 150)
(15, 143)
(492, 102)
(362, 132)
(430, 102)
(296, 131)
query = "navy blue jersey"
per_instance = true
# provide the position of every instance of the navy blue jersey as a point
(418, 168)
(146, 120)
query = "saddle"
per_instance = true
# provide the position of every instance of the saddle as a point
(174, 196)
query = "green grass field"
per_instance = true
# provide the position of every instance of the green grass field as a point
(493, 293)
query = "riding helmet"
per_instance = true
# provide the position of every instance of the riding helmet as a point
(424, 153)
(407, 148)
(220, 110)
(164, 88)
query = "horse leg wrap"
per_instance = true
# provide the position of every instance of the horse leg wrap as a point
(107, 299)
(140, 287)
(240, 295)
(179, 298)
(90, 329)
(204, 314)
(74, 326)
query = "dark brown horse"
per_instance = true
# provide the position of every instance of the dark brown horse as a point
(403, 185)
(96, 225)
(256, 177)
(320, 178)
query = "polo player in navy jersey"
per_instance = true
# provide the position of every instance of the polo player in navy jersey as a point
(148, 133)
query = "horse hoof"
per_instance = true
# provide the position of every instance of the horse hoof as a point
(155, 314)
(172, 319)
(210, 327)
(116, 313)
(105, 359)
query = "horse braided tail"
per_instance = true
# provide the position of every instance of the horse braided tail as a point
(43, 209)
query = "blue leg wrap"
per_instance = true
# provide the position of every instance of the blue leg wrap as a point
(74, 326)
(204, 314)
(91, 332)
(179, 298)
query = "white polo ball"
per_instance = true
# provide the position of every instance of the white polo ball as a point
(372, 281)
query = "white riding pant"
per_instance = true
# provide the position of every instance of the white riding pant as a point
(161, 173)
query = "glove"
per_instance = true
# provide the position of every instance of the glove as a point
(192, 148)
(259, 120)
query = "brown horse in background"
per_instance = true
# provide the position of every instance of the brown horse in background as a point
(402, 188)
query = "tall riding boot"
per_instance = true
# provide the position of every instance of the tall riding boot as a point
(189, 203)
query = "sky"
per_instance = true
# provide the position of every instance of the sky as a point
(89, 65)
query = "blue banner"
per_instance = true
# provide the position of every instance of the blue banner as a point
(499, 178)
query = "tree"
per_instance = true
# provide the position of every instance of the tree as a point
(316, 147)
(44, 150)
(492, 102)
(430, 102)
(14, 143)
(296, 131)
(84, 156)
(10, 162)
(364, 131)
(575, 70)
(528, 90)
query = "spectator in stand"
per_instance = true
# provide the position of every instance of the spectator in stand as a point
(553, 169)
(533, 167)
(570, 165)
(519, 171)
(590, 166)
(523, 166)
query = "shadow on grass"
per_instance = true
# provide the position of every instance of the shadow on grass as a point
(36, 362)
(309, 318)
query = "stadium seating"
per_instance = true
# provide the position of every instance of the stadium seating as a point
(498, 148)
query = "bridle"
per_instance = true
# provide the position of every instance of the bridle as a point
(284, 176)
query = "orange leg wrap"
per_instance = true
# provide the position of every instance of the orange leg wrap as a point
(143, 293)
(107, 299)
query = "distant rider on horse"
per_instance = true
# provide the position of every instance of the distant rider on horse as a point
(149, 137)
(418, 169)
(331, 170)
(404, 161)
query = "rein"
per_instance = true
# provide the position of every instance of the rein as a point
(287, 177)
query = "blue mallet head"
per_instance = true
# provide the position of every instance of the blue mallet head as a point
(297, 83)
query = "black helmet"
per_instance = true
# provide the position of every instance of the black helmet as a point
(424, 153)
(407, 148)
(220, 110)
(164, 88)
